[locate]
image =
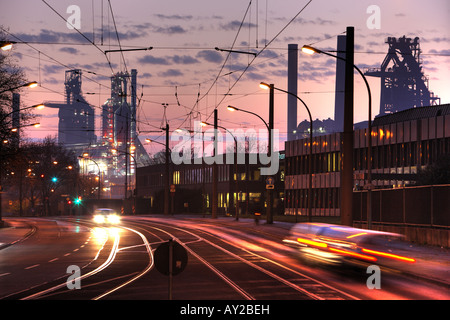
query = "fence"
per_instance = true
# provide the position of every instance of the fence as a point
(422, 213)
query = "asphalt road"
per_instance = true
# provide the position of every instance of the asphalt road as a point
(226, 261)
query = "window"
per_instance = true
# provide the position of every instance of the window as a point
(256, 175)
(176, 177)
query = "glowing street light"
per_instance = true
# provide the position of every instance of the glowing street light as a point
(311, 50)
(266, 86)
(6, 45)
(36, 125)
(31, 84)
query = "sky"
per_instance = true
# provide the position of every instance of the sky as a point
(184, 71)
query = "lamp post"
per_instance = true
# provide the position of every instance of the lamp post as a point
(312, 50)
(269, 210)
(31, 84)
(36, 125)
(36, 106)
(203, 123)
(167, 178)
(266, 86)
(135, 170)
(15, 115)
(6, 45)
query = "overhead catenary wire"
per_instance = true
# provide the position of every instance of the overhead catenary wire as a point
(81, 33)
(223, 64)
(265, 47)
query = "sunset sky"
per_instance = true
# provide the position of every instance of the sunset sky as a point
(184, 62)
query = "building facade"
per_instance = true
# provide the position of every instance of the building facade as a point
(192, 186)
(402, 144)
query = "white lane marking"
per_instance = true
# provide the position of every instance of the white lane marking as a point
(100, 268)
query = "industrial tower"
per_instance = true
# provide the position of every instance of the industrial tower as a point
(119, 135)
(76, 115)
(403, 83)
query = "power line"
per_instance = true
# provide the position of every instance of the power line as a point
(265, 47)
(224, 63)
(82, 34)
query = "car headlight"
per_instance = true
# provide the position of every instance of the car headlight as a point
(98, 218)
(112, 218)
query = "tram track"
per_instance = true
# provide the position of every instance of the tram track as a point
(271, 273)
(250, 275)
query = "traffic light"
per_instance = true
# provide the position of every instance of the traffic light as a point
(54, 179)
(77, 201)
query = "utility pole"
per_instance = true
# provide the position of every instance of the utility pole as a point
(167, 184)
(215, 176)
(347, 135)
(269, 210)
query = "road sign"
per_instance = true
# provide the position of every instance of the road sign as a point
(172, 188)
(162, 258)
(270, 183)
(170, 259)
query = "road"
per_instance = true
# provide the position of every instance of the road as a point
(227, 260)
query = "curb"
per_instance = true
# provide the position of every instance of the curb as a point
(31, 231)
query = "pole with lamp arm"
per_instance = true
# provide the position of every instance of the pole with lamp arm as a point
(203, 123)
(269, 210)
(167, 169)
(311, 50)
(265, 86)
(7, 45)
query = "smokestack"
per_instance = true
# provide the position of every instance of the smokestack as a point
(292, 87)
(340, 85)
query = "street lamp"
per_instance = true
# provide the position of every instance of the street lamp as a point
(266, 86)
(203, 123)
(36, 125)
(233, 108)
(31, 84)
(269, 126)
(168, 151)
(6, 45)
(311, 50)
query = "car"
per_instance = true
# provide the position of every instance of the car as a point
(106, 216)
(341, 244)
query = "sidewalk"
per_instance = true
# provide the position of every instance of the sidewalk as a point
(13, 232)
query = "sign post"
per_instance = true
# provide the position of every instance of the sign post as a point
(170, 259)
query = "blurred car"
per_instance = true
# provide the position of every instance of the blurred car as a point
(106, 216)
(340, 244)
